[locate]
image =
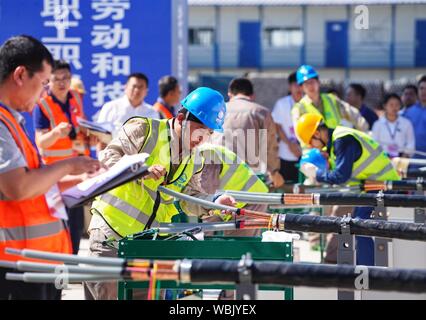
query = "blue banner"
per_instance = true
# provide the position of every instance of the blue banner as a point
(106, 40)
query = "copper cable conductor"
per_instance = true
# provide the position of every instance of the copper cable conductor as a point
(161, 274)
(298, 199)
(374, 186)
(255, 224)
(148, 264)
(256, 215)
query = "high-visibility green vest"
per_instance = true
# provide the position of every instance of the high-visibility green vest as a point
(127, 208)
(235, 174)
(374, 164)
(332, 117)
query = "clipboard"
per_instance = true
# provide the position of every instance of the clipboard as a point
(75, 197)
(95, 129)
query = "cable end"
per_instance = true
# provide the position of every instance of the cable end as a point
(14, 276)
(16, 252)
(8, 265)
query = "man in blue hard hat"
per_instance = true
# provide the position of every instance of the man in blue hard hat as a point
(334, 111)
(138, 206)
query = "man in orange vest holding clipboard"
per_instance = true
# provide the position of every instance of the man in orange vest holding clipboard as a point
(29, 218)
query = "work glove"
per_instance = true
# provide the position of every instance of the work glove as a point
(310, 171)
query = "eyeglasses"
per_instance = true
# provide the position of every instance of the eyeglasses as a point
(66, 79)
(44, 83)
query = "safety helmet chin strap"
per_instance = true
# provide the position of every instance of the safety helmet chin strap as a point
(319, 139)
(182, 133)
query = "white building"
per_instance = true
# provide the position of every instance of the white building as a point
(278, 36)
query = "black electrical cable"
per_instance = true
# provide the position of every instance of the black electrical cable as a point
(362, 227)
(407, 185)
(415, 173)
(290, 274)
(371, 200)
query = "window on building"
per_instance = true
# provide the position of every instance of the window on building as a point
(283, 37)
(201, 36)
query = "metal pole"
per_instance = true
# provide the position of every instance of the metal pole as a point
(346, 254)
(381, 245)
(420, 213)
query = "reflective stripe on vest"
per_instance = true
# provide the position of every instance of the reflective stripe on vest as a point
(31, 232)
(49, 111)
(150, 143)
(127, 208)
(332, 117)
(373, 163)
(58, 153)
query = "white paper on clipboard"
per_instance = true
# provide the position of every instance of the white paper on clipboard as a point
(87, 187)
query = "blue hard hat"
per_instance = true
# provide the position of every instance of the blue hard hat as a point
(305, 72)
(208, 106)
(315, 157)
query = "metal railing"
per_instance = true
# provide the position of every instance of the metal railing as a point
(360, 55)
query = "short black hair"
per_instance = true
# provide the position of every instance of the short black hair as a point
(24, 51)
(422, 79)
(389, 96)
(191, 117)
(411, 87)
(359, 89)
(241, 86)
(140, 76)
(292, 78)
(61, 64)
(167, 84)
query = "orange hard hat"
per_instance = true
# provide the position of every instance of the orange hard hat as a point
(306, 126)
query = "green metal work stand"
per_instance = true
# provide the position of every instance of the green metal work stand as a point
(211, 248)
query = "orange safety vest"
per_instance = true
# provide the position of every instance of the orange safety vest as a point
(161, 108)
(28, 224)
(63, 148)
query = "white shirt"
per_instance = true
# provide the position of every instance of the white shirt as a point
(282, 116)
(395, 137)
(117, 112)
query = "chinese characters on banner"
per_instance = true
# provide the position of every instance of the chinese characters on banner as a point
(109, 40)
(63, 15)
(109, 33)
